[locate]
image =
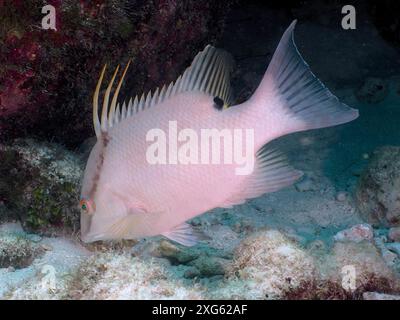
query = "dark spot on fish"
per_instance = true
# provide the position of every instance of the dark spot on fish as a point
(218, 103)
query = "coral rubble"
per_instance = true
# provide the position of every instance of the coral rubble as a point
(377, 193)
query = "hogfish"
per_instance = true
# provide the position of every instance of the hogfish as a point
(126, 196)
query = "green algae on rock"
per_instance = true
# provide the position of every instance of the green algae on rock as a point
(40, 185)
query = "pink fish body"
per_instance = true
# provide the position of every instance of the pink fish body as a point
(126, 196)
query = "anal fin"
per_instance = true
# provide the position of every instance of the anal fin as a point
(271, 173)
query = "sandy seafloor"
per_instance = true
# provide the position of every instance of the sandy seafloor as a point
(307, 214)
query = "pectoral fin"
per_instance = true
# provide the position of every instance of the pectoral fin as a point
(136, 218)
(120, 229)
(185, 234)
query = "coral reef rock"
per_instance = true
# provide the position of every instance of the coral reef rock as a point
(342, 196)
(390, 258)
(265, 265)
(377, 194)
(394, 234)
(110, 275)
(37, 268)
(209, 266)
(40, 185)
(356, 233)
(373, 90)
(394, 247)
(306, 184)
(379, 296)
(202, 261)
(176, 253)
(361, 260)
(17, 252)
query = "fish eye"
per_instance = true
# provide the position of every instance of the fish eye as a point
(86, 206)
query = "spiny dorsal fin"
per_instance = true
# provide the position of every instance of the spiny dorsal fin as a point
(109, 114)
(209, 72)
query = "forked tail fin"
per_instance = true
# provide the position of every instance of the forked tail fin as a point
(290, 90)
(293, 99)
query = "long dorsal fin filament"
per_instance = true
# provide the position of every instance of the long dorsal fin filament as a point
(96, 121)
(109, 114)
(105, 102)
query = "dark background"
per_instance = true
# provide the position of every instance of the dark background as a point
(47, 77)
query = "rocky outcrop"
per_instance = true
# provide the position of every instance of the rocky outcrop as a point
(265, 265)
(377, 195)
(373, 90)
(40, 186)
(357, 233)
